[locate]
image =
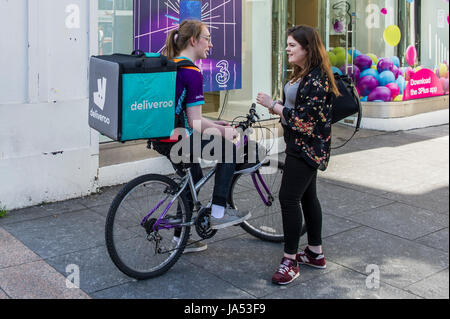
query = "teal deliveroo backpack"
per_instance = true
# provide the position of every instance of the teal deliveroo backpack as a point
(132, 97)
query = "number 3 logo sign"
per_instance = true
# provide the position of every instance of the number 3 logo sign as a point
(224, 74)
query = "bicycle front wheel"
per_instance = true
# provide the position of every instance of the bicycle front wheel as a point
(140, 249)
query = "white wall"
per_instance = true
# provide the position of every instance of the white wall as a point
(47, 151)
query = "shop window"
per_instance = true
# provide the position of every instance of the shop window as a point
(115, 26)
(115, 30)
(394, 50)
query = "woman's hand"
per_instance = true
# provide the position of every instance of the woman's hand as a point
(222, 123)
(264, 100)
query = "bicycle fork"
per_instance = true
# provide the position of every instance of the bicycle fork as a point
(269, 200)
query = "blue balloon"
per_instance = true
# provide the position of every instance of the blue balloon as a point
(355, 53)
(386, 77)
(336, 70)
(396, 61)
(371, 72)
(401, 82)
(364, 99)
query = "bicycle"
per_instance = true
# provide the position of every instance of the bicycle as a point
(141, 245)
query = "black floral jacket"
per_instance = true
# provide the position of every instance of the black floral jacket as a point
(308, 130)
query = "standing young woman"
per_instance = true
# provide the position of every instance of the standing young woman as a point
(306, 120)
(192, 41)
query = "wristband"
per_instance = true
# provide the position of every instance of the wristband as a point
(273, 105)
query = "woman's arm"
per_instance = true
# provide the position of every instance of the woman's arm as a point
(200, 124)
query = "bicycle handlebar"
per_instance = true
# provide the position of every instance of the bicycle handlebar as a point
(252, 117)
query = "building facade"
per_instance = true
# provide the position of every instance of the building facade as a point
(47, 150)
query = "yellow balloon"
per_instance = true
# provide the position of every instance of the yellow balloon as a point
(374, 67)
(392, 35)
(398, 98)
(373, 57)
(443, 70)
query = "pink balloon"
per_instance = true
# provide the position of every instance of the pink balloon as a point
(411, 55)
(408, 73)
(395, 90)
(444, 83)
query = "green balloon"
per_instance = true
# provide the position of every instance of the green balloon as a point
(336, 51)
(333, 58)
(341, 59)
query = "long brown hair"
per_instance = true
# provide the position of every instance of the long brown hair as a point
(187, 30)
(316, 56)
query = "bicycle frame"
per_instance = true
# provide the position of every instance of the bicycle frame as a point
(187, 180)
(194, 188)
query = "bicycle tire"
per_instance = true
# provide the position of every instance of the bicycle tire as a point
(263, 224)
(113, 223)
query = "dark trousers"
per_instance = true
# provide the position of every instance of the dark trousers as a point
(297, 193)
(224, 172)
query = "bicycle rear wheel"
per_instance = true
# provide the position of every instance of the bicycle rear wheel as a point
(266, 220)
(138, 250)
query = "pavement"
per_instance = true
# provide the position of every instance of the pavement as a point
(385, 199)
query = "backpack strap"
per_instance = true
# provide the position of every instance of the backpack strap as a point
(185, 64)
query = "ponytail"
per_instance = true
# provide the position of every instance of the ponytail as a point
(179, 39)
(172, 50)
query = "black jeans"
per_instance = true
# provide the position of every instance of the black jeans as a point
(224, 172)
(298, 186)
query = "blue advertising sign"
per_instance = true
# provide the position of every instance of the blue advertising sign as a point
(222, 70)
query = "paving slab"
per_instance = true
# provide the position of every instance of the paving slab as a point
(341, 284)
(433, 287)
(37, 280)
(3, 295)
(248, 264)
(342, 201)
(60, 234)
(402, 220)
(434, 197)
(332, 225)
(438, 240)
(183, 281)
(39, 211)
(103, 197)
(13, 252)
(97, 271)
(431, 132)
(401, 262)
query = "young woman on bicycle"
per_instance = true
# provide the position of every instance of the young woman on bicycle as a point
(192, 42)
(306, 120)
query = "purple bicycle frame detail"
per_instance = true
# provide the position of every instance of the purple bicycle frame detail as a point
(263, 183)
(160, 224)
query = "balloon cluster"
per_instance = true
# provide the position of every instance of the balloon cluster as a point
(442, 72)
(380, 80)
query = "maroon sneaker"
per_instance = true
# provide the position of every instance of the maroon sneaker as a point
(287, 272)
(305, 258)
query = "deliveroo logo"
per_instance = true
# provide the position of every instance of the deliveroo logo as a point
(99, 96)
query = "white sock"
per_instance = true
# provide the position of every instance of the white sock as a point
(217, 211)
